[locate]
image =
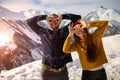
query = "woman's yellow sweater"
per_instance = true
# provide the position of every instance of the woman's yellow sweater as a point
(97, 40)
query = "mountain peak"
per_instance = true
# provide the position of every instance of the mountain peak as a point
(102, 7)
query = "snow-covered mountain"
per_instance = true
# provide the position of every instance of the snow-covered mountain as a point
(31, 71)
(112, 15)
(31, 13)
(11, 15)
(104, 13)
(29, 43)
(20, 15)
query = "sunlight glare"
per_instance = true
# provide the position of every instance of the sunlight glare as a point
(4, 40)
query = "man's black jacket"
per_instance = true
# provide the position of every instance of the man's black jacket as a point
(53, 43)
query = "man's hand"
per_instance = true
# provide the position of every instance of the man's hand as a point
(49, 19)
(59, 19)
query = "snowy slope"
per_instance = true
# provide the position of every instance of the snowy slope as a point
(32, 70)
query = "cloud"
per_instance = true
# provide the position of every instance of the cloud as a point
(37, 1)
(77, 6)
(20, 5)
(74, 6)
(14, 1)
(61, 3)
(110, 3)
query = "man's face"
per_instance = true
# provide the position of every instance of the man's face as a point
(54, 21)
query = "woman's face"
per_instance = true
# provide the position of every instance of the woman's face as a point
(79, 31)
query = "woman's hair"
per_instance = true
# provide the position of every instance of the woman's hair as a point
(91, 48)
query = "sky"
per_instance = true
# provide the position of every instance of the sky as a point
(73, 6)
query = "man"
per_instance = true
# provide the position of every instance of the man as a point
(54, 60)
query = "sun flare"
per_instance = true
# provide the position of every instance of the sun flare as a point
(4, 40)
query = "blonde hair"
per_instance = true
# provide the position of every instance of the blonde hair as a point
(54, 15)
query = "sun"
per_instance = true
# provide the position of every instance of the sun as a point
(4, 40)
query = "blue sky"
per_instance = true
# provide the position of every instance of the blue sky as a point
(74, 6)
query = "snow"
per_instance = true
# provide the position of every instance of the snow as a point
(31, 71)
(111, 15)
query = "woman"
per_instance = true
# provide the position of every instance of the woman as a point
(89, 47)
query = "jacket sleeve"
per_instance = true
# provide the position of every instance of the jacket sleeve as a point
(32, 22)
(102, 26)
(68, 47)
(72, 17)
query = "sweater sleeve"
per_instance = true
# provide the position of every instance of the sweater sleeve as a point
(102, 26)
(32, 22)
(68, 47)
(72, 17)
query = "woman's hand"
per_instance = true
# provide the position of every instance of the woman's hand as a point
(84, 24)
(71, 30)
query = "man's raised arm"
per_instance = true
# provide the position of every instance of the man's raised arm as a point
(32, 22)
(72, 17)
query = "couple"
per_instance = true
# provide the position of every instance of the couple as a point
(88, 46)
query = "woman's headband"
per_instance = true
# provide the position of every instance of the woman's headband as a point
(75, 23)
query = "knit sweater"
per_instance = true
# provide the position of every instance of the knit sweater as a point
(97, 41)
